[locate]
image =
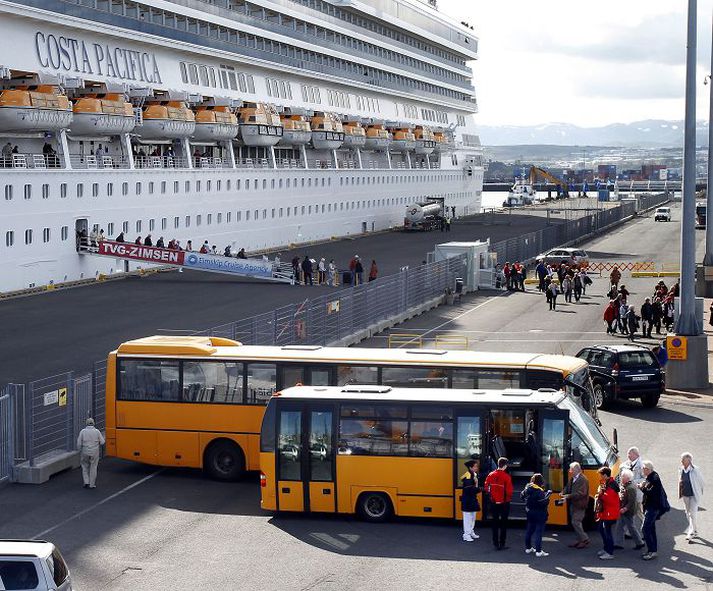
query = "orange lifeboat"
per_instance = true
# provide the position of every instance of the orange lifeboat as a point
(108, 115)
(425, 140)
(296, 129)
(442, 143)
(215, 123)
(403, 140)
(377, 137)
(260, 125)
(327, 131)
(167, 120)
(354, 134)
(41, 109)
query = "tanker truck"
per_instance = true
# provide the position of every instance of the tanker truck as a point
(424, 216)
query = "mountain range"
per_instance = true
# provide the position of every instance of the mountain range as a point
(650, 132)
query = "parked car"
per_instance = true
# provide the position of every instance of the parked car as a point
(663, 214)
(33, 564)
(624, 372)
(564, 255)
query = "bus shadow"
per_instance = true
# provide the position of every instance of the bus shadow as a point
(634, 410)
(417, 539)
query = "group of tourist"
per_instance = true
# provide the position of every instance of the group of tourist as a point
(626, 506)
(620, 314)
(570, 280)
(328, 274)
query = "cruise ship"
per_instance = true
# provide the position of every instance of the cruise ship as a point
(250, 123)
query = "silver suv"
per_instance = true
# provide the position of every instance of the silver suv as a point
(33, 564)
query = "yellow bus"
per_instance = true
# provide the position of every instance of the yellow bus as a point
(379, 451)
(198, 401)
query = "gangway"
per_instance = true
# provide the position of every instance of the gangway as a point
(196, 261)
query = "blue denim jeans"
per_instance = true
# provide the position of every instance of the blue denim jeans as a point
(605, 528)
(649, 530)
(535, 527)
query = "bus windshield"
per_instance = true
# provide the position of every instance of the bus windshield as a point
(588, 430)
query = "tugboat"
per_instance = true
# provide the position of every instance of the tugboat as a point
(521, 193)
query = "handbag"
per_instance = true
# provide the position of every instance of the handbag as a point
(664, 505)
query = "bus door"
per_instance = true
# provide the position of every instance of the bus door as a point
(471, 442)
(554, 457)
(306, 458)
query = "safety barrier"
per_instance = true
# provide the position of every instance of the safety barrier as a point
(412, 340)
(451, 341)
(7, 457)
(622, 266)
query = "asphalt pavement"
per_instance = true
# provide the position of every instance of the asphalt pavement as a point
(152, 528)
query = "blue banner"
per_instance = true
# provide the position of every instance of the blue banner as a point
(211, 262)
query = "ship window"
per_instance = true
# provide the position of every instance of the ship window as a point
(218, 184)
(45, 191)
(257, 213)
(28, 191)
(163, 187)
(198, 186)
(288, 212)
(218, 218)
(175, 186)
(193, 72)
(264, 184)
(152, 224)
(131, 10)
(281, 211)
(8, 192)
(309, 209)
(188, 221)
(80, 189)
(204, 75)
(138, 226)
(199, 219)
(241, 83)
(64, 232)
(125, 227)
(228, 216)
(209, 219)
(238, 216)
(28, 236)
(164, 223)
(124, 188)
(9, 238)
(251, 84)
(138, 188)
(188, 186)
(303, 210)
(46, 235)
(176, 222)
(151, 187)
(247, 215)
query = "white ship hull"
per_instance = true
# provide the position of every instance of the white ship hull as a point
(30, 119)
(101, 124)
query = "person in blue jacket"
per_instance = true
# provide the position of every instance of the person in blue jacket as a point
(536, 500)
(469, 500)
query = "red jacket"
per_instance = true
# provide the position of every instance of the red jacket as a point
(611, 506)
(498, 485)
(609, 313)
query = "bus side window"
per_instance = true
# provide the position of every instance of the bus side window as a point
(581, 452)
(357, 374)
(495, 379)
(218, 382)
(149, 379)
(261, 382)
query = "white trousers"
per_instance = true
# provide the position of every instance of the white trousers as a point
(89, 468)
(691, 506)
(468, 523)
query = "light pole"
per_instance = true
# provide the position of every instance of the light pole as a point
(708, 258)
(688, 347)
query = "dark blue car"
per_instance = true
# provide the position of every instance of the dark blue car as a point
(623, 372)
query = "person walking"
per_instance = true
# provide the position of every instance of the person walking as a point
(553, 290)
(307, 270)
(577, 497)
(607, 509)
(610, 317)
(537, 499)
(630, 509)
(321, 271)
(621, 319)
(661, 355)
(295, 267)
(614, 278)
(469, 500)
(332, 273)
(578, 287)
(655, 504)
(498, 486)
(352, 268)
(634, 463)
(89, 443)
(507, 271)
(690, 489)
(567, 288)
(647, 318)
(541, 272)
(358, 272)
(656, 315)
(632, 321)
(373, 270)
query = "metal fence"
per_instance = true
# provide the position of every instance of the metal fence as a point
(7, 456)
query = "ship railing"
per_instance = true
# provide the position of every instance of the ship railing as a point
(289, 163)
(38, 161)
(84, 162)
(205, 162)
(252, 163)
(159, 162)
(323, 164)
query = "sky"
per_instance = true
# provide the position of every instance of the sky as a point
(585, 63)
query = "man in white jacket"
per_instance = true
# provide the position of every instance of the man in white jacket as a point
(690, 489)
(89, 443)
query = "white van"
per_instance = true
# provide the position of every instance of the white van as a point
(663, 214)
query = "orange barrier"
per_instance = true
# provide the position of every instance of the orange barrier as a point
(622, 266)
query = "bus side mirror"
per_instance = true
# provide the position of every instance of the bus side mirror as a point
(615, 438)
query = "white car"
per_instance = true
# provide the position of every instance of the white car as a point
(663, 214)
(33, 564)
(564, 255)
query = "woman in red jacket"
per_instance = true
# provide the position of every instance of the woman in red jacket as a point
(610, 317)
(607, 508)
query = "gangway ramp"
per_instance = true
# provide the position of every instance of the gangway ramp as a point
(196, 261)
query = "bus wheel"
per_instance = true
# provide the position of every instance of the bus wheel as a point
(374, 507)
(224, 460)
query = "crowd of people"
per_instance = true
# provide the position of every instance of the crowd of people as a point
(569, 280)
(629, 505)
(657, 311)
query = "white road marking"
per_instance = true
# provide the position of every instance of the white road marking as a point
(98, 504)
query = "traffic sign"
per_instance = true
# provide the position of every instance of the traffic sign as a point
(677, 348)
